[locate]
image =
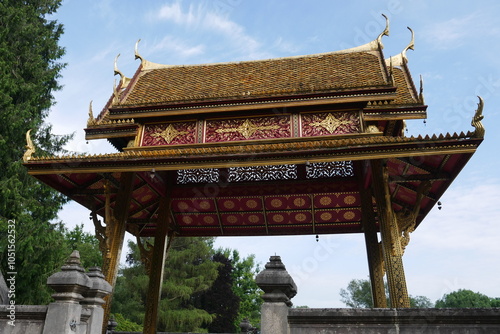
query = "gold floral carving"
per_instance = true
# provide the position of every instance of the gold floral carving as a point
(252, 204)
(229, 204)
(253, 219)
(276, 203)
(299, 202)
(248, 128)
(232, 219)
(183, 206)
(204, 205)
(208, 219)
(349, 200)
(349, 215)
(168, 134)
(278, 218)
(300, 217)
(325, 200)
(331, 123)
(326, 216)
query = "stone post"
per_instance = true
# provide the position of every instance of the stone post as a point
(279, 288)
(93, 299)
(63, 315)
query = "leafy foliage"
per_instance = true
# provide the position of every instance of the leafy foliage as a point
(245, 288)
(220, 300)
(125, 325)
(359, 295)
(465, 298)
(29, 70)
(87, 244)
(203, 289)
(189, 270)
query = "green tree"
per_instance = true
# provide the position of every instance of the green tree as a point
(420, 302)
(244, 272)
(464, 298)
(29, 69)
(189, 270)
(359, 295)
(87, 244)
(220, 300)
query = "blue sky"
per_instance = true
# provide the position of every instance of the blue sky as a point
(457, 44)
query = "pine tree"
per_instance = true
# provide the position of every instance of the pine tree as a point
(244, 272)
(189, 270)
(220, 300)
(29, 69)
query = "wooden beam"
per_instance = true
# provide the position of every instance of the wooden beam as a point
(374, 255)
(157, 266)
(115, 234)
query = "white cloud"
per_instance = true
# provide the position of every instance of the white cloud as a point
(455, 32)
(179, 47)
(173, 12)
(211, 21)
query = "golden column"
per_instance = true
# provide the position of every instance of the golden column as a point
(391, 242)
(373, 250)
(112, 235)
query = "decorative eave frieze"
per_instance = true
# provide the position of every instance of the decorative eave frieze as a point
(284, 152)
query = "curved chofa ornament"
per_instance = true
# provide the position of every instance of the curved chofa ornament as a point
(91, 121)
(383, 33)
(146, 65)
(116, 94)
(123, 79)
(421, 91)
(373, 45)
(30, 148)
(478, 117)
(401, 58)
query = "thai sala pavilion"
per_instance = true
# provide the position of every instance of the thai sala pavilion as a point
(300, 145)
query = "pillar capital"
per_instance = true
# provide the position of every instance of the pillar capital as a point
(100, 288)
(71, 282)
(276, 282)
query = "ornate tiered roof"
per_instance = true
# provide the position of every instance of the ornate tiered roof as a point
(286, 143)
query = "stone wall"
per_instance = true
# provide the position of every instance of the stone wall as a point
(277, 316)
(368, 321)
(77, 306)
(28, 319)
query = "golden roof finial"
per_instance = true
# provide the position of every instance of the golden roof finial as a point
(383, 33)
(411, 45)
(123, 79)
(116, 94)
(136, 51)
(30, 148)
(401, 58)
(91, 121)
(374, 45)
(421, 91)
(478, 117)
(146, 65)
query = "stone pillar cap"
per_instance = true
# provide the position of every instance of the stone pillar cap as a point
(276, 282)
(100, 288)
(71, 281)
